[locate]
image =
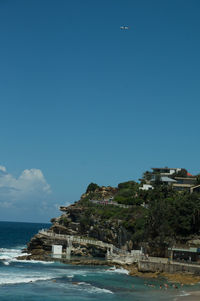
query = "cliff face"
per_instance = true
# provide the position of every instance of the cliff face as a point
(126, 217)
(100, 193)
(74, 221)
(77, 220)
(86, 219)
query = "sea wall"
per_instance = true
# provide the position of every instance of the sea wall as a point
(171, 267)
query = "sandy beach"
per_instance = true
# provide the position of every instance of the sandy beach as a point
(193, 296)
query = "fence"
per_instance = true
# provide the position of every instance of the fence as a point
(107, 202)
(83, 240)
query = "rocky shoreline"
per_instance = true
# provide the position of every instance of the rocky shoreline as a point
(107, 224)
(181, 278)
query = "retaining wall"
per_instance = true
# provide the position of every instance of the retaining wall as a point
(171, 267)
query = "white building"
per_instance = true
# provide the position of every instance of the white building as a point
(165, 171)
(146, 187)
(56, 249)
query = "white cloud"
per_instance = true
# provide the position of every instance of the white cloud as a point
(2, 168)
(27, 197)
(31, 185)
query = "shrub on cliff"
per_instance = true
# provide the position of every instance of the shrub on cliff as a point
(127, 193)
(92, 187)
(128, 185)
(165, 217)
(64, 221)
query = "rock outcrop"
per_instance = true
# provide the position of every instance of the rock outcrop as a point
(84, 219)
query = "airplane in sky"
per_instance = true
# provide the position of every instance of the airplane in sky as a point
(124, 27)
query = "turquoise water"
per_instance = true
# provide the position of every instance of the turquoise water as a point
(34, 280)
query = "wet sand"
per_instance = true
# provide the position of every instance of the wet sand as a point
(194, 296)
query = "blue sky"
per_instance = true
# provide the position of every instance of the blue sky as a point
(83, 101)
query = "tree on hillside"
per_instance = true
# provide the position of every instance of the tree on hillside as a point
(147, 176)
(92, 187)
(128, 185)
(158, 232)
(157, 181)
(181, 173)
(197, 179)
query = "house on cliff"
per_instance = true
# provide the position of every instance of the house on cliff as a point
(178, 178)
(195, 188)
(165, 171)
(184, 183)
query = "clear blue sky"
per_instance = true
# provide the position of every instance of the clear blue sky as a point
(83, 101)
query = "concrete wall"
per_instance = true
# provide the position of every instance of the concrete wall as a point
(147, 266)
(121, 259)
(57, 249)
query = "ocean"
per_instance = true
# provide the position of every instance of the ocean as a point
(42, 281)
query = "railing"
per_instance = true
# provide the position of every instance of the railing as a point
(100, 243)
(107, 202)
(84, 240)
(117, 250)
(161, 260)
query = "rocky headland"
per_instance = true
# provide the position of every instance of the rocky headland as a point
(123, 217)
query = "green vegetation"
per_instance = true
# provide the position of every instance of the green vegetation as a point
(101, 216)
(92, 187)
(128, 193)
(181, 173)
(63, 221)
(147, 176)
(172, 217)
(160, 217)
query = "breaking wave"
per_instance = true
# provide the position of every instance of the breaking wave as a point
(92, 289)
(10, 255)
(118, 270)
(10, 279)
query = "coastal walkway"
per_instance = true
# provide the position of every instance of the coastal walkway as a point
(112, 251)
(116, 255)
(107, 202)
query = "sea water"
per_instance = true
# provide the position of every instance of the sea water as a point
(42, 281)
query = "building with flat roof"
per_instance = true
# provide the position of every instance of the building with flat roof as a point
(164, 180)
(184, 254)
(165, 171)
(195, 189)
(184, 183)
(179, 178)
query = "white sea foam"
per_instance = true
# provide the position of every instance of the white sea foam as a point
(32, 261)
(9, 254)
(26, 275)
(21, 279)
(101, 290)
(118, 270)
(4, 257)
(183, 294)
(83, 283)
(92, 289)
